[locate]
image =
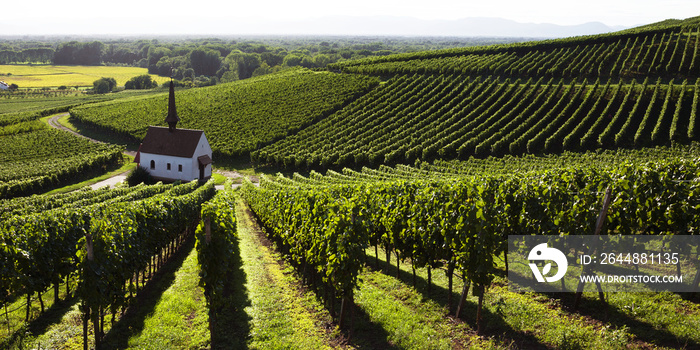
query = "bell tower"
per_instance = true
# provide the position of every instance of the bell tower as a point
(172, 117)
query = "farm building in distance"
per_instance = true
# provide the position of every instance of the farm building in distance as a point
(171, 154)
(4, 86)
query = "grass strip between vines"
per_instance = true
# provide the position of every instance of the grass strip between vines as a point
(536, 320)
(179, 319)
(170, 313)
(410, 320)
(279, 313)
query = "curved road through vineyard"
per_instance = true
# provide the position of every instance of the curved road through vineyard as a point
(54, 123)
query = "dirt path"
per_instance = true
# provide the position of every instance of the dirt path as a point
(111, 182)
(236, 175)
(54, 123)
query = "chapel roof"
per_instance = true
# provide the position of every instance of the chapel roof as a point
(177, 143)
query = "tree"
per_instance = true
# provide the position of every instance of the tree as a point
(273, 59)
(322, 60)
(244, 64)
(263, 69)
(205, 61)
(104, 85)
(140, 82)
(154, 55)
(293, 60)
(163, 67)
(79, 53)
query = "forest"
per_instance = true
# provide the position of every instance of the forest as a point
(218, 59)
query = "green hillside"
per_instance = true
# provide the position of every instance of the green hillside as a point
(667, 49)
(635, 88)
(237, 117)
(36, 158)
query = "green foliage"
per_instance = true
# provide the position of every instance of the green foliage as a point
(104, 85)
(22, 127)
(35, 161)
(205, 61)
(237, 117)
(451, 217)
(438, 116)
(124, 237)
(79, 53)
(39, 235)
(138, 176)
(569, 57)
(243, 65)
(216, 242)
(141, 82)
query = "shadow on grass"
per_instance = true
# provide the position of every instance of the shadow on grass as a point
(133, 321)
(644, 331)
(367, 334)
(230, 328)
(104, 135)
(39, 325)
(494, 324)
(594, 308)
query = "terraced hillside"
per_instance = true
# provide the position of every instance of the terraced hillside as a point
(635, 88)
(35, 158)
(238, 117)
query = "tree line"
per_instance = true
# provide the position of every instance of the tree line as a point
(218, 60)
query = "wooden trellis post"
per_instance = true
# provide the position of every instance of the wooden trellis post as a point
(585, 269)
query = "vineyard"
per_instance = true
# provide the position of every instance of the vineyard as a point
(430, 160)
(637, 89)
(662, 49)
(427, 240)
(448, 117)
(240, 117)
(631, 89)
(108, 241)
(35, 159)
(456, 217)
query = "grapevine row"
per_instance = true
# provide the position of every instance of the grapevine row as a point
(123, 232)
(326, 223)
(237, 117)
(652, 53)
(424, 117)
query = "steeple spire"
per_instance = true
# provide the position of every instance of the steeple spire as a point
(172, 117)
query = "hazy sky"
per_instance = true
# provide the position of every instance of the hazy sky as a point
(159, 17)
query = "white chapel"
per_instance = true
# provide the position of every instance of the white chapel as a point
(171, 154)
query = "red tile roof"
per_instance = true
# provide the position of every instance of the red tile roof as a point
(178, 143)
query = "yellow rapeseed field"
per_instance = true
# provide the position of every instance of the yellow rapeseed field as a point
(39, 76)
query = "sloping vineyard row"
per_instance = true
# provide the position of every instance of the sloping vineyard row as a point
(36, 160)
(105, 240)
(238, 117)
(25, 178)
(326, 223)
(425, 117)
(667, 54)
(39, 203)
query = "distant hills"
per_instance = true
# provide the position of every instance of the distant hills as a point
(474, 26)
(329, 25)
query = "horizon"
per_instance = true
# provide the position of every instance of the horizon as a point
(214, 17)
